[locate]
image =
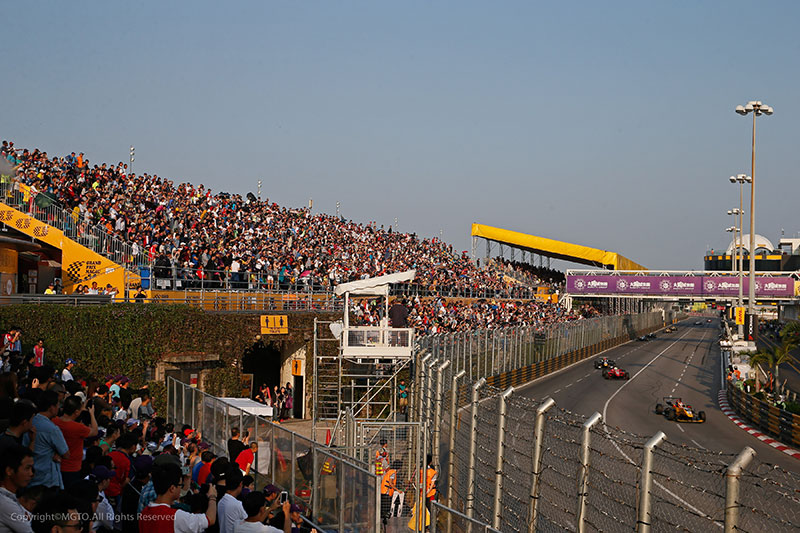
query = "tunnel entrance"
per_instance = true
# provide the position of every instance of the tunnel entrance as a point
(263, 360)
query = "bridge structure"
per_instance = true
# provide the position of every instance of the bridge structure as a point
(681, 285)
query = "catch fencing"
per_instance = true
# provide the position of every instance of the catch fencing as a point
(522, 465)
(337, 490)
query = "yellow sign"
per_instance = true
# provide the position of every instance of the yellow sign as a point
(740, 315)
(297, 367)
(274, 324)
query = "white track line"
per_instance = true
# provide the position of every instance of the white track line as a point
(631, 461)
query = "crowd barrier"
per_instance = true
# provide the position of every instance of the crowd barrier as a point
(340, 492)
(781, 424)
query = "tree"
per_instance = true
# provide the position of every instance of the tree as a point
(791, 332)
(773, 357)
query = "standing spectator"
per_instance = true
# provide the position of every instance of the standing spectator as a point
(247, 457)
(129, 507)
(50, 447)
(16, 472)
(124, 392)
(402, 396)
(146, 411)
(288, 401)
(20, 424)
(230, 508)
(38, 353)
(161, 517)
(121, 459)
(235, 444)
(74, 435)
(398, 314)
(66, 374)
(104, 514)
(254, 505)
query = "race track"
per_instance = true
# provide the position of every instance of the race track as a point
(685, 363)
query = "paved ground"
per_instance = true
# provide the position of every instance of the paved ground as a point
(685, 363)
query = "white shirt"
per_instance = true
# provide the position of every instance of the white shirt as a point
(105, 514)
(256, 527)
(66, 375)
(134, 407)
(13, 516)
(230, 512)
(187, 522)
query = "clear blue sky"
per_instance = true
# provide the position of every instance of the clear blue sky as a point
(608, 124)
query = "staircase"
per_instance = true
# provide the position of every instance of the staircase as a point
(327, 391)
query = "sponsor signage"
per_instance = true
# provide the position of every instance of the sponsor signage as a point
(702, 286)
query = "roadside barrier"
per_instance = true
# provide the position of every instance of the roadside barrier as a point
(781, 424)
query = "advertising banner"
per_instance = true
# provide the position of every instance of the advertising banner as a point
(677, 286)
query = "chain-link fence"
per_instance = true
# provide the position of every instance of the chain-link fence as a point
(334, 490)
(559, 471)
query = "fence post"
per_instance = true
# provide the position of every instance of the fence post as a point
(498, 476)
(294, 465)
(314, 477)
(643, 516)
(473, 445)
(732, 476)
(418, 396)
(537, 462)
(583, 471)
(451, 467)
(437, 412)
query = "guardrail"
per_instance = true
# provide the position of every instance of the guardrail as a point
(781, 424)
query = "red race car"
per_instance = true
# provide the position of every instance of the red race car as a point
(615, 373)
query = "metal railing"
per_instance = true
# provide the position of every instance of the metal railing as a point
(335, 491)
(74, 225)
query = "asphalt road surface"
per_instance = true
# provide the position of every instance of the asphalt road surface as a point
(685, 363)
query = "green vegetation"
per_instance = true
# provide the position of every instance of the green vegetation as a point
(130, 338)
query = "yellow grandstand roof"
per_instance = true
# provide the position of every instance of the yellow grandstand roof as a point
(557, 249)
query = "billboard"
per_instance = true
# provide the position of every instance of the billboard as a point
(677, 286)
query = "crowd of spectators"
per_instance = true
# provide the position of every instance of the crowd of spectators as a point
(191, 234)
(440, 315)
(92, 455)
(530, 274)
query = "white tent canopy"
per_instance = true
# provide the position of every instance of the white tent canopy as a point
(378, 286)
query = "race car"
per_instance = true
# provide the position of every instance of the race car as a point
(643, 338)
(670, 329)
(616, 373)
(603, 362)
(673, 408)
(651, 335)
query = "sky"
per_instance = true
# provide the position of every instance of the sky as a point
(606, 124)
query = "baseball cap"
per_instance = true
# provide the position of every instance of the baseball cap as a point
(69, 362)
(270, 489)
(132, 421)
(295, 508)
(100, 473)
(142, 464)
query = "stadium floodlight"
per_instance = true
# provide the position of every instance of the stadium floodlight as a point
(133, 158)
(757, 108)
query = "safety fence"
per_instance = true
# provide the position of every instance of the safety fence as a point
(513, 356)
(518, 464)
(336, 491)
(777, 422)
(525, 465)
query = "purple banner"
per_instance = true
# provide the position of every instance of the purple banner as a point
(702, 286)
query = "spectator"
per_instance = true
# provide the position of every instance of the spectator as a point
(255, 505)
(16, 472)
(247, 457)
(20, 425)
(129, 507)
(38, 353)
(235, 445)
(160, 517)
(49, 448)
(230, 509)
(66, 374)
(104, 515)
(74, 434)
